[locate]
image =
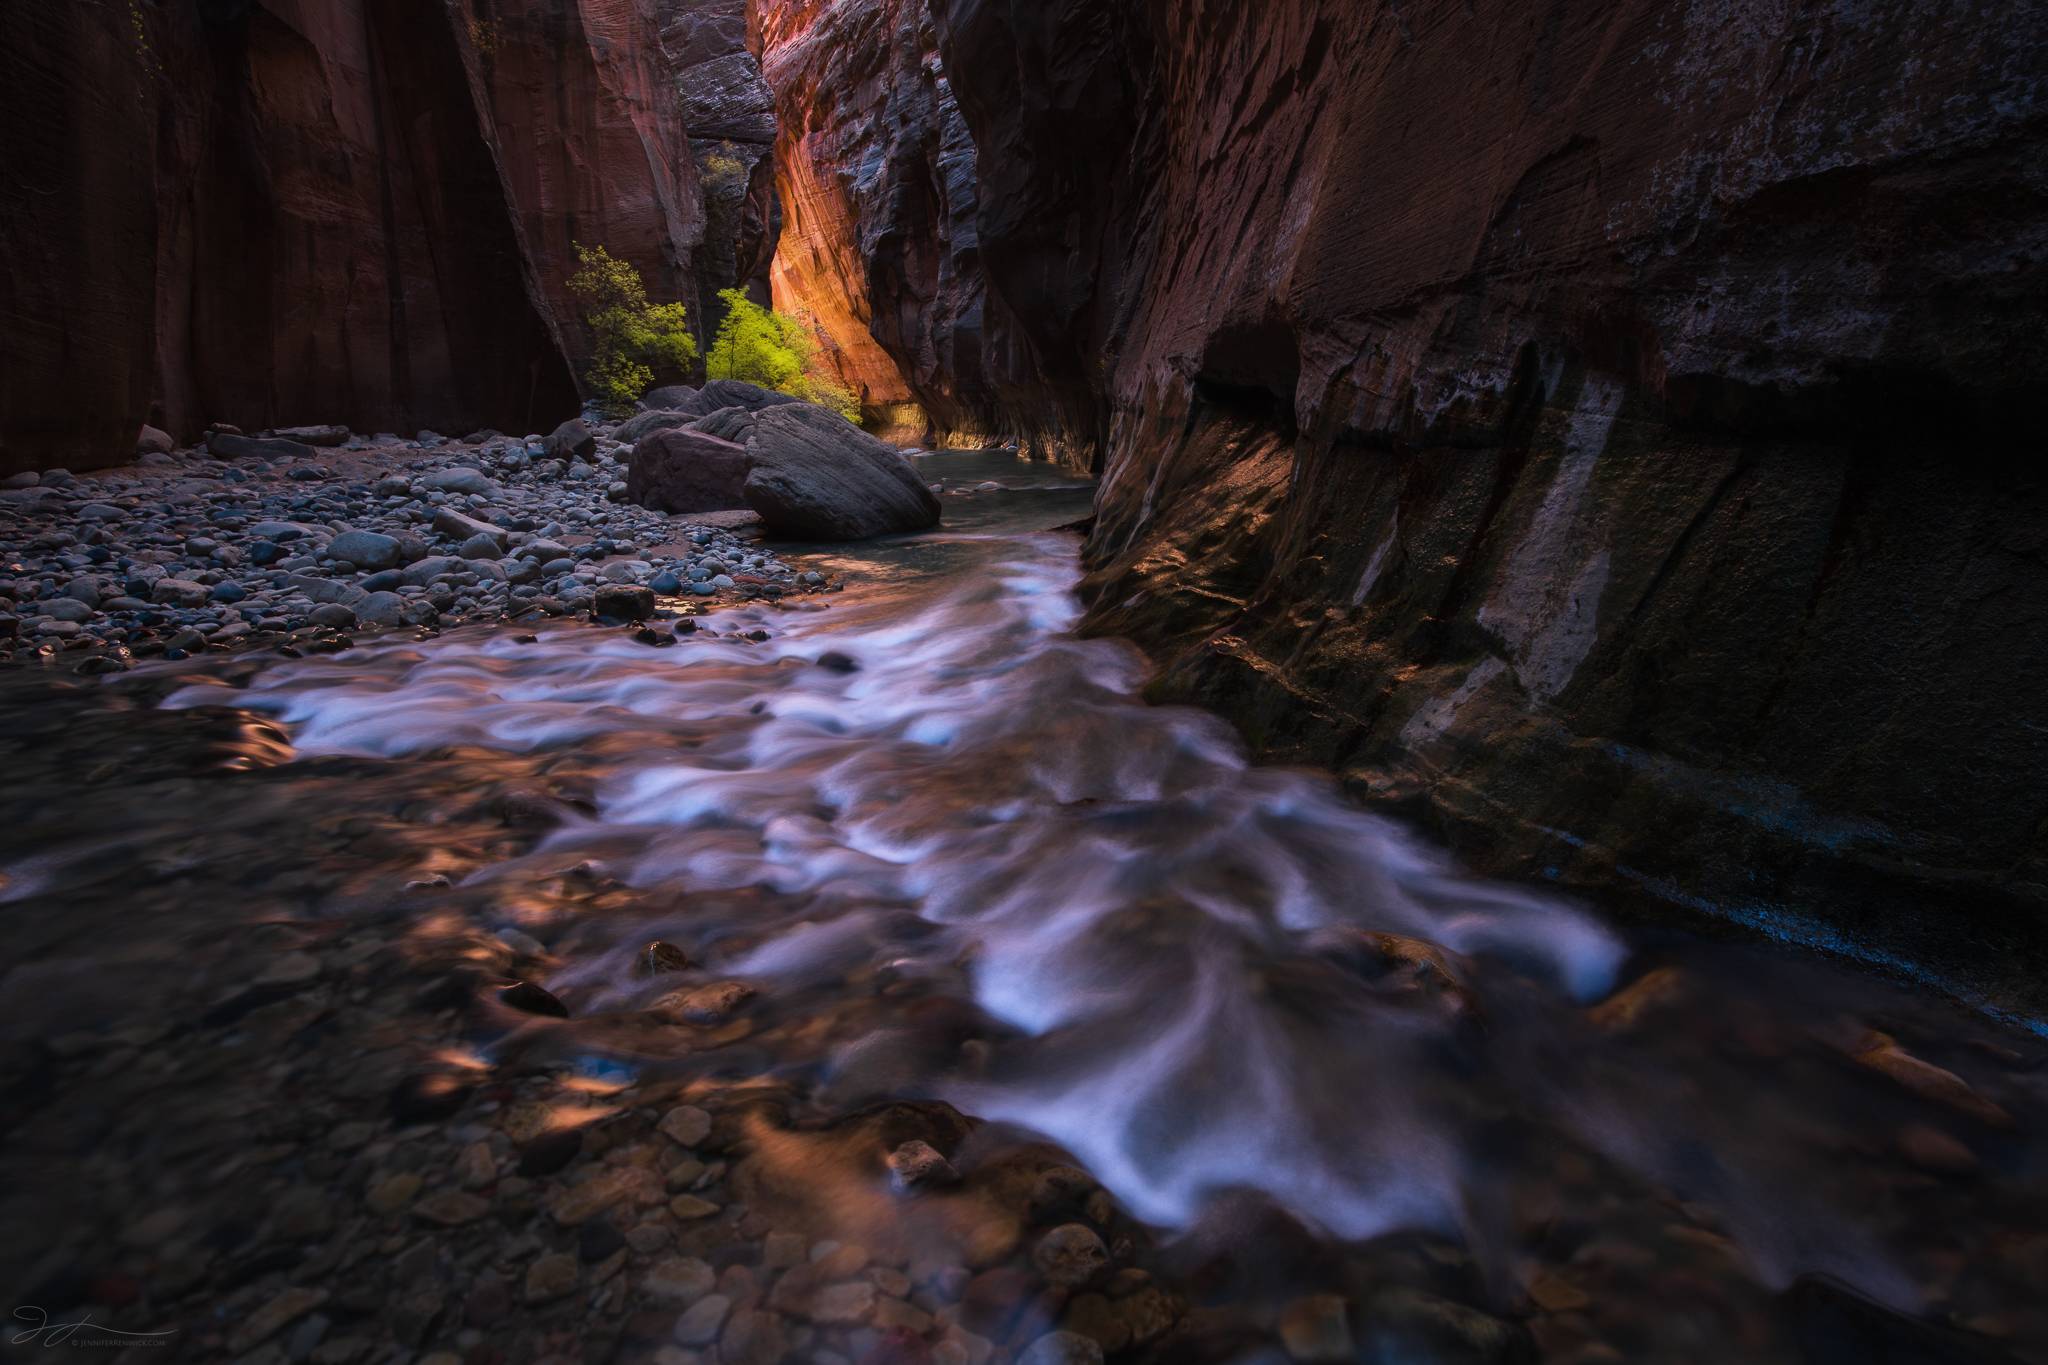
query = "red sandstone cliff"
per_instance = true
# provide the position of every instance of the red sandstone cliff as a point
(267, 211)
(1607, 426)
(876, 177)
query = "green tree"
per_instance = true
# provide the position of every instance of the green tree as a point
(630, 337)
(775, 351)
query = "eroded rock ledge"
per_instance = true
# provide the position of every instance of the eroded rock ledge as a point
(1602, 429)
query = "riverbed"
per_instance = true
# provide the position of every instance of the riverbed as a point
(1210, 1063)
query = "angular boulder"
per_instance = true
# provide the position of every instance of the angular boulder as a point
(572, 441)
(817, 476)
(687, 471)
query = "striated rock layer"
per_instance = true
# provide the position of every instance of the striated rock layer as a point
(273, 211)
(1602, 427)
(876, 178)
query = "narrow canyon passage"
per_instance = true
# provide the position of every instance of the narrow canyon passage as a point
(929, 871)
(1024, 682)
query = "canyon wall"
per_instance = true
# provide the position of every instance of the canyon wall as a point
(275, 211)
(876, 177)
(1601, 431)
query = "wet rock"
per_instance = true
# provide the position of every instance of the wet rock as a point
(843, 1304)
(679, 1280)
(1061, 1348)
(1070, 1255)
(700, 1323)
(581, 1202)
(550, 1151)
(394, 1193)
(428, 1098)
(623, 602)
(333, 615)
(659, 958)
(1317, 1328)
(476, 1168)
(274, 1316)
(1880, 1052)
(917, 1165)
(450, 1208)
(551, 1277)
(689, 1207)
(814, 475)
(686, 1125)
(712, 1004)
(381, 609)
(836, 662)
(1411, 1323)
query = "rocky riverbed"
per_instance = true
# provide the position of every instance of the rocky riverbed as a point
(277, 541)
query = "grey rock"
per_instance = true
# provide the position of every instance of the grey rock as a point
(70, 609)
(334, 614)
(459, 527)
(482, 545)
(323, 434)
(669, 397)
(461, 479)
(153, 441)
(320, 589)
(571, 441)
(225, 446)
(365, 549)
(381, 609)
(647, 423)
(178, 592)
(734, 393)
(27, 478)
(425, 571)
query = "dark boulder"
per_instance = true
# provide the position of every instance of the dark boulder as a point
(817, 476)
(647, 423)
(727, 424)
(572, 441)
(623, 602)
(687, 471)
(667, 398)
(734, 393)
(325, 434)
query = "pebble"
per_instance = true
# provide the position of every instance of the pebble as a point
(224, 555)
(686, 1124)
(1070, 1255)
(1317, 1328)
(393, 1193)
(681, 1279)
(551, 1277)
(1062, 1348)
(699, 1324)
(450, 1208)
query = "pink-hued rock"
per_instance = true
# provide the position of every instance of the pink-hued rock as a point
(687, 471)
(276, 211)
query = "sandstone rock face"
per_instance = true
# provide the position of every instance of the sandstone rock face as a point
(876, 178)
(1617, 457)
(276, 211)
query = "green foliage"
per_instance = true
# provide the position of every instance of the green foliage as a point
(775, 351)
(724, 171)
(630, 337)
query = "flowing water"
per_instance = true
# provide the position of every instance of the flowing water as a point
(1280, 1030)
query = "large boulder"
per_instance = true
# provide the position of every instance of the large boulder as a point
(734, 393)
(681, 470)
(727, 424)
(667, 398)
(817, 476)
(572, 441)
(647, 423)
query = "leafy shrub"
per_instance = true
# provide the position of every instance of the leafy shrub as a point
(629, 335)
(775, 351)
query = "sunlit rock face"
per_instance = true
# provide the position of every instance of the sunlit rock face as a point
(876, 175)
(268, 211)
(1600, 424)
